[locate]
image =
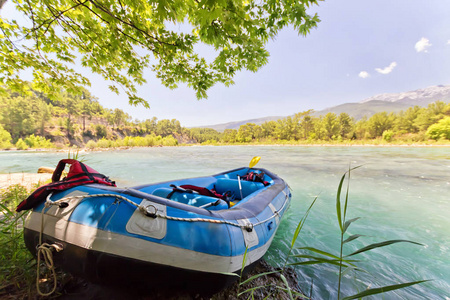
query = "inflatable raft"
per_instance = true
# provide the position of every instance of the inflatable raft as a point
(191, 233)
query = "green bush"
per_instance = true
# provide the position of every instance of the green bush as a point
(387, 135)
(5, 139)
(151, 140)
(91, 144)
(140, 141)
(100, 131)
(103, 143)
(440, 130)
(169, 141)
(21, 145)
(128, 141)
(38, 142)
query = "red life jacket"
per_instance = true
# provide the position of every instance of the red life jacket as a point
(79, 174)
(254, 176)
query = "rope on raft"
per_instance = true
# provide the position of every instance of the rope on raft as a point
(45, 251)
(154, 214)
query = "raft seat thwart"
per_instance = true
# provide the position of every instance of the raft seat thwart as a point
(222, 186)
(192, 199)
(232, 185)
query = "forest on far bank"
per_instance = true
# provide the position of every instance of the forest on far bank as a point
(36, 121)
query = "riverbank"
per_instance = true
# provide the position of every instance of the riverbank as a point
(28, 180)
(286, 144)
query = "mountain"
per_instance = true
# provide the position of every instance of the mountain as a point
(359, 110)
(393, 102)
(420, 97)
(236, 125)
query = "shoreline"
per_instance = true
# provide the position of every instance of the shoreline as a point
(78, 150)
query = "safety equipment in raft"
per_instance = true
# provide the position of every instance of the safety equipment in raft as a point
(78, 174)
(182, 233)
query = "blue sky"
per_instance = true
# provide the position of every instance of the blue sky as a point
(360, 49)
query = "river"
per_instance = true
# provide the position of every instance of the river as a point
(399, 193)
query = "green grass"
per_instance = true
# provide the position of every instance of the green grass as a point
(17, 271)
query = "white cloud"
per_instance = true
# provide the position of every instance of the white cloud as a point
(448, 42)
(422, 45)
(363, 74)
(388, 69)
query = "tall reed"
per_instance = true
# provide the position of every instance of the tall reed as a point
(17, 273)
(345, 263)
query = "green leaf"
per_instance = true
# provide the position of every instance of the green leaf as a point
(253, 289)
(287, 286)
(338, 203)
(352, 237)
(335, 262)
(257, 276)
(325, 260)
(301, 223)
(347, 223)
(382, 244)
(230, 274)
(384, 289)
(318, 251)
(244, 260)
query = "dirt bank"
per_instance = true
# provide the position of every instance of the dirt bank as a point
(80, 289)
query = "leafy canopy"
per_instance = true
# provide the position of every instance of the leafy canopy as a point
(119, 39)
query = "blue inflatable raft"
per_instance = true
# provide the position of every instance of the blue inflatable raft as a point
(170, 233)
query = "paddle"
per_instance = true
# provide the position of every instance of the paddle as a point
(254, 161)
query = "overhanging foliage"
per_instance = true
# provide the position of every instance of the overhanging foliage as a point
(120, 39)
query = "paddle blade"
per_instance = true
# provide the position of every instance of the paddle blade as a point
(254, 161)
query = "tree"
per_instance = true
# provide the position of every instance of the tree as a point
(246, 133)
(345, 124)
(17, 116)
(119, 117)
(331, 125)
(307, 125)
(120, 39)
(44, 115)
(268, 128)
(405, 121)
(150, 125)
(229, 135)
(87, 107)
(380, 122)
(285, 129)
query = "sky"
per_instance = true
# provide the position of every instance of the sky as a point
(360, 49)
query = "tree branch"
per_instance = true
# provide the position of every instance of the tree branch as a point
(128, 23)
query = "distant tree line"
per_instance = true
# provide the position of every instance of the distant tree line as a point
(37, 121)
(416, 124)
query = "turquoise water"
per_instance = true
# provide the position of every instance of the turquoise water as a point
(399, 193)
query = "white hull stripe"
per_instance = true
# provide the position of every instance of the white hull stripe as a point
(131, 247)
